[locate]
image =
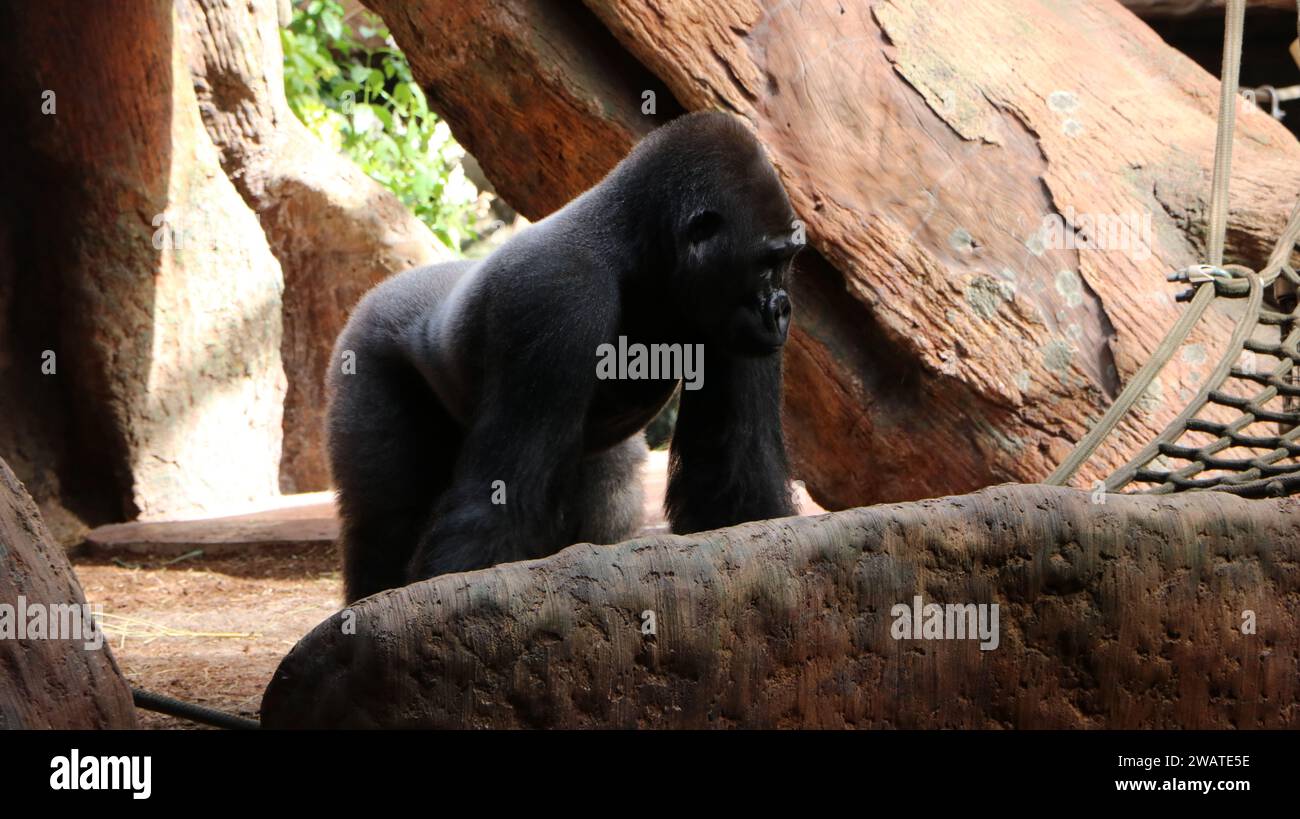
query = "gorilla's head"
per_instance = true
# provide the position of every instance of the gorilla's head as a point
(734, 273)
(731, 229)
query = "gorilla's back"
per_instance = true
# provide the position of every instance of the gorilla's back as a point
(388, 324)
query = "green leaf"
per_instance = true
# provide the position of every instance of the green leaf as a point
(333, 26)
(389, 132)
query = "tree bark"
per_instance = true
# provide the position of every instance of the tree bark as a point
(335, 231)
(146, 298)
(49, 683)
(1130, 613)
(942, 342)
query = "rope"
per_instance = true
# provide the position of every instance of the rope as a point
(1277, 260)
(1228, 78)
(1135, 388)
(1261, 474)
(1179, 425)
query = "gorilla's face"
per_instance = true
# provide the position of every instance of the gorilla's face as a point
(735, 279)
(760, 313)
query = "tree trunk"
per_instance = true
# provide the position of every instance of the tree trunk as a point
(1137, 612)
(146, 299)
(945, 337)
(68, 682)
(335, 231)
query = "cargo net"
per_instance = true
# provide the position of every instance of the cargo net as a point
(1257, 453)
(1257, 380)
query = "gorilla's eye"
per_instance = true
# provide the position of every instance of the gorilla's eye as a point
(703, 225)
(780, 249)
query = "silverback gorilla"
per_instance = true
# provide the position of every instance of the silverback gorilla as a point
(468, 425)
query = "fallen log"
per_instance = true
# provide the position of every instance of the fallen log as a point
(1113, 611)
(58, 672)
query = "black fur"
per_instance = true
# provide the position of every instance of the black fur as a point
(469, 373)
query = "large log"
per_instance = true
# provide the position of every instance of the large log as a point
(149, 300)
(942, 341)
(335, 231)
(69, 682)
(1125, 614)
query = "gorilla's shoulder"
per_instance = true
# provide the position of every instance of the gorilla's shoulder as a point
(399, 299)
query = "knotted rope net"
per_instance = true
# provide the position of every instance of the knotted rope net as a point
(1241, 432)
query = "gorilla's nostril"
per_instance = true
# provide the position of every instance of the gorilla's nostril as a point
(781, 304)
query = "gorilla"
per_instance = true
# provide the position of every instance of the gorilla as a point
(467, 423)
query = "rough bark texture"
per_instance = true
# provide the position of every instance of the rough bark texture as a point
(48, 683)
(1266, 58)
(335, 231)
(923, 143)
(1126, 614)
(140, 269)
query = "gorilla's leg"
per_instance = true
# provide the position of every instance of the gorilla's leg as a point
(609, 502)
(392, 450)
(506, 497)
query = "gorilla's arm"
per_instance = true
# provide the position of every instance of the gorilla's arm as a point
(728, 460)
(536, 465)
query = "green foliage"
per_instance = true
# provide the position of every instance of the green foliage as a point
(362, 100)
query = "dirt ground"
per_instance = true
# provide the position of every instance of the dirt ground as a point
(210, 630)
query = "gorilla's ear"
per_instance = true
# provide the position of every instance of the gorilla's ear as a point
(703, 224)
